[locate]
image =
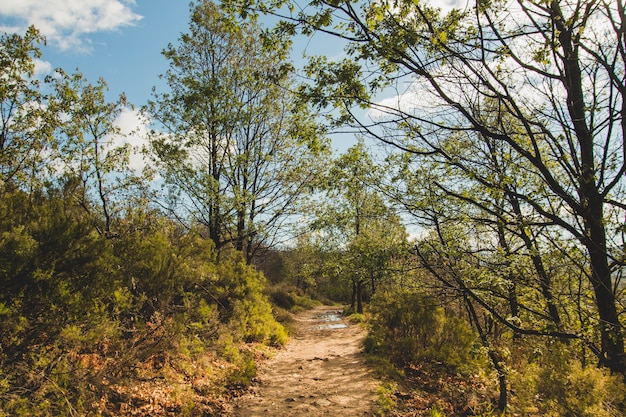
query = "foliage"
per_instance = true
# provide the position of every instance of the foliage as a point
(26, 122)
(386, 400)
(512, 112)
(88, 153)
(314, 269)
(356, 318)
(506, 147)
(436, 412)
(507, 151)
(239, 291)
(81, 311)
(283, 298)
(365, 235)
(105, 300)
(553, 384)
(409, 327)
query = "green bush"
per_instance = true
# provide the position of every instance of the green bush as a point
(80, 312)
(556, 384)
(409, 327)
(386, 398)
(282, 298)
(242, 375)
(305, 302)
(291, 298)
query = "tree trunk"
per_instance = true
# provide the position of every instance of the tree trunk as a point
(359, 297)
(353, 298)
(591, 201)
(612, 337)
(545, 282)
(241, 231)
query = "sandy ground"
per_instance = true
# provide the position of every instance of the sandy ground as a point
(321, 372)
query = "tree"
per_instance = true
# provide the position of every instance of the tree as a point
(26, 123)
(238, 153)
(367, 233)
(555, 68)
(87, 145)
(85, 301)
(370, 256)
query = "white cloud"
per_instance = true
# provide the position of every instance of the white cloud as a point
(66, 23)
(134, 130)
(402, 102)
(416, 99)
(42, 68)
(447, 5)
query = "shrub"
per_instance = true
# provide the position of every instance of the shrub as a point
(386, 397)
(556, 384)
(282, 298)
(408, 327)
(84, 317)
(239, 291)
(290, 298)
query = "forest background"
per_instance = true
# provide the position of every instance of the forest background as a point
(501, 134)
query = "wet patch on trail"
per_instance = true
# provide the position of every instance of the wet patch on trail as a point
(330, 320)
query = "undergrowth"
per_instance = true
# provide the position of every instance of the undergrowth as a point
(152, 322)
(431, 364)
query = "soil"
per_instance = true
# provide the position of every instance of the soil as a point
(321, 372)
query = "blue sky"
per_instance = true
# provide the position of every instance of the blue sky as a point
(120, 41)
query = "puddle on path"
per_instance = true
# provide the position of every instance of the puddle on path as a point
(329, 318)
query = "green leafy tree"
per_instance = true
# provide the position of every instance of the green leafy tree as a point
(354, 217)
(508, 235)
(26, 122)
(95, 281)
(87, 145)
(237, 151)
(303, 264)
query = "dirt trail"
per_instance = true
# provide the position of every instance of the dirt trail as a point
(321, 372)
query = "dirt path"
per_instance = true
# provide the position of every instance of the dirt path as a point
(321, 372)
